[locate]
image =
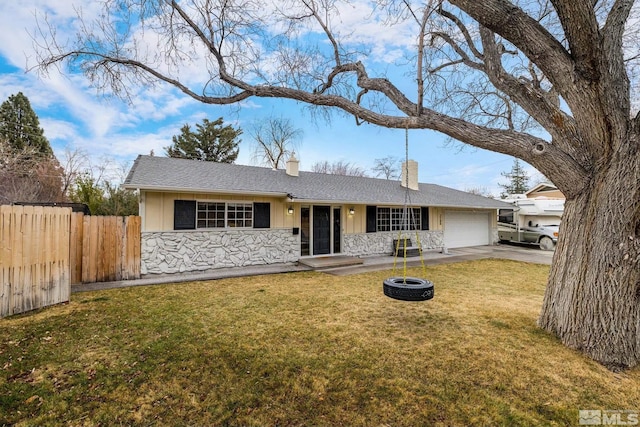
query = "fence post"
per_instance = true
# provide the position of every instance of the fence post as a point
(75, 247)
(7, 233)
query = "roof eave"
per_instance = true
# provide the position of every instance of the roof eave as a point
(201, 190)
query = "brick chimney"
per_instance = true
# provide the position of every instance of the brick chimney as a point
(292, 165)
(410, 181)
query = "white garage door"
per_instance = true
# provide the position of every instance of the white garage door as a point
(465, 229)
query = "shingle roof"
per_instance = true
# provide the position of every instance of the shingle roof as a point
(181, 175)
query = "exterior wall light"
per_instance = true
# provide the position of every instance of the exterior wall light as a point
(290, 210)
(352, 211)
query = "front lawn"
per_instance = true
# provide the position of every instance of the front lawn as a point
(304, 349)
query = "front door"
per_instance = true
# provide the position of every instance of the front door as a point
(321, 230)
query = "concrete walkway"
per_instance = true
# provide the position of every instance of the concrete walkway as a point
(373, 263)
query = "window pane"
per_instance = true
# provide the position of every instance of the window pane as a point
(208, 214)
(383, 219)
(220, 215)
(396, 219)
(242, 214)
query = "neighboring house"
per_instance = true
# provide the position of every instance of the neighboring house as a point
(204, 215)
(544, 190)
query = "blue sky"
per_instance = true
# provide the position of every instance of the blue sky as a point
(74, 116)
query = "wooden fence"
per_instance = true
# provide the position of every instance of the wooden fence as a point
(34, 257)
(107, 248)
(45, 250)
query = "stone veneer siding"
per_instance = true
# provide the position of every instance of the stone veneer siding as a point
(381, 243)
(183, 251)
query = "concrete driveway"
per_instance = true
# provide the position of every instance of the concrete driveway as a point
(514, 252)
(517, 253)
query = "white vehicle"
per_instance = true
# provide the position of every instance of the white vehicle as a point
(534, 221)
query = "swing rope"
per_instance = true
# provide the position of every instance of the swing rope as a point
(408, 218)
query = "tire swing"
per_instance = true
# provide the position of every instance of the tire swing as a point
(402, 287)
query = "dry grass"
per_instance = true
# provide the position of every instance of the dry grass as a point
(304, 349)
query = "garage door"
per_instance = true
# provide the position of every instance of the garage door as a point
(465, 229)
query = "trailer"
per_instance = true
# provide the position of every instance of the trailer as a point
(533, 221)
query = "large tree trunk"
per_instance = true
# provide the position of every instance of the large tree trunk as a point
(592, 301)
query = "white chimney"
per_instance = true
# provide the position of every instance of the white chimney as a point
(410, 181)
(292, 165)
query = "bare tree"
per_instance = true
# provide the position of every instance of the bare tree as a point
(480, 191)
(275, 141)
(74, 162)
(551, 83)
(97, 184)
(387, 167)
(27, 175)
(338, 168)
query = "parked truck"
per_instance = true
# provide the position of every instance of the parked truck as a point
(532, 220)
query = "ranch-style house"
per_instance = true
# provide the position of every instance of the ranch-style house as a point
(200, 215)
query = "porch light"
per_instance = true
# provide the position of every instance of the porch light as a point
(352, 211)
(290, 210)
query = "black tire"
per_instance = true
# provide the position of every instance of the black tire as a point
(408, 289)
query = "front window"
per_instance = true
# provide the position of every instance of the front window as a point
(239, 215)
(395, 219)
(383, 222)
(222, 215)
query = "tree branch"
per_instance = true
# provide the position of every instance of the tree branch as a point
(534, 100)
(615, 91)
(580, 27)
(327, 31)
(463, 29)
(463, 55)
(224, 75)
(574, 82)
(512, 23)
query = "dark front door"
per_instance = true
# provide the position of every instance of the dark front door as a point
(321, 230)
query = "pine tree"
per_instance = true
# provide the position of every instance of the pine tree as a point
(518, 180)
(211, 142)
(20, 125)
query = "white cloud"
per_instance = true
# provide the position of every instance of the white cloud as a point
(18, 23)
(58, 130)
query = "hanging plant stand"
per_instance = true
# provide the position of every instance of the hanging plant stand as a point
(408, 288)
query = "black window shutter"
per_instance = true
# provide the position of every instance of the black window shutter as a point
(371, 219)
(184, 215)
(261, 215)
(424, 218)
